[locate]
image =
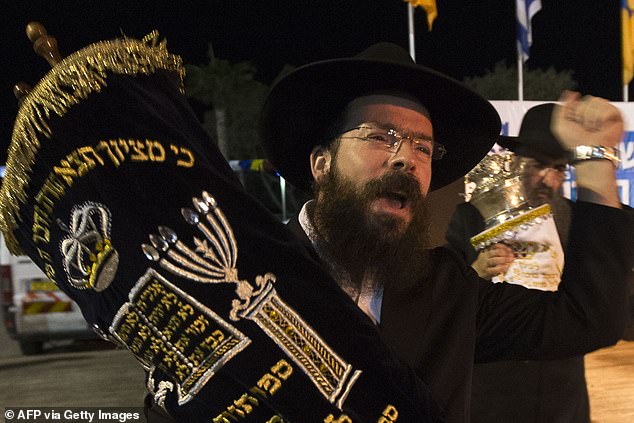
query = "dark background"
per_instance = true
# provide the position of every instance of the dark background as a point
(468, 36)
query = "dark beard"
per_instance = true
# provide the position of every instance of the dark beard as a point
(561, 210)
(358, 241)
(539, 194)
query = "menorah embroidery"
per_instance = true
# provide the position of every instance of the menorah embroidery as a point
(213, 260)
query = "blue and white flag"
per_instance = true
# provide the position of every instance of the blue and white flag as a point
(526, 9)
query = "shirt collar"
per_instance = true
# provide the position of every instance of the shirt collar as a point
(369, 301)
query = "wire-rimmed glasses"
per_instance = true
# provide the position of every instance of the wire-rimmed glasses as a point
(391, 140)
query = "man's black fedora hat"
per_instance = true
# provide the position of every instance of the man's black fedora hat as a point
(303, 104)
(535, 138)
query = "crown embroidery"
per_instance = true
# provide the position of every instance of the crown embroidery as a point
(90, 260)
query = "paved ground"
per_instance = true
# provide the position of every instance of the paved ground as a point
(8, 347)
(92, 374)
(610, 378)
(82, 374)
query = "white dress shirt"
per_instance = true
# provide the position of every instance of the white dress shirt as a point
(368, 299)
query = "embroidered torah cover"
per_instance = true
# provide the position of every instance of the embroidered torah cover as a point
(115, 191)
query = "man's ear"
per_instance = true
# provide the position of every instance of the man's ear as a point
(320, 159)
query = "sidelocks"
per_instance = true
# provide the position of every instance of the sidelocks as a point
(113, 188)
(501, 197)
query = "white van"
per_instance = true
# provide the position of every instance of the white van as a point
(34, 310)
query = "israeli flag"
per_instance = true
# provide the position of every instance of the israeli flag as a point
(526, 9)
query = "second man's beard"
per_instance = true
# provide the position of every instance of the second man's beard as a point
(540, 194)
(562, 212)
(365, 244)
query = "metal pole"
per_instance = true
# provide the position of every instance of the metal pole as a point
(520, 73)
(410, 24)
(519, 6)
(626, 40)
(283, 197)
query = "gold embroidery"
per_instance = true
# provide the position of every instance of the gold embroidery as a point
(189, 346)
(390, 414)
(77, 164)
(341, 419)
(332, 376)
(189, 161)
(90, 260)
(265, 387)
(69, 83)
(494, 233)
(213, 260)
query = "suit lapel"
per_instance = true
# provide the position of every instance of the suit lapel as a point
(404, 319)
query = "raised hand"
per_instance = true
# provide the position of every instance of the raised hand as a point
(590, 121)
(586, 120)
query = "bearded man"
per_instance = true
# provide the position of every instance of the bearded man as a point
(525, 390)
(367, 133)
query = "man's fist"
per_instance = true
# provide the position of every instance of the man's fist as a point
(586, 121)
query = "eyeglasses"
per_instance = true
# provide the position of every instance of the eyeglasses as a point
(391, 140)
(533, 165)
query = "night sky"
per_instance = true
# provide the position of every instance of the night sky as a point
(468, 36)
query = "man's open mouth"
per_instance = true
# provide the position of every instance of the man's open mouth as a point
(393, 203)
(396, 199)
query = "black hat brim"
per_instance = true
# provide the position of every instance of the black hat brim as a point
(535, 137)
(304, 103)
(534, 146)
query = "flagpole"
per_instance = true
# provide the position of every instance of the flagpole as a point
(626, 48)
(520, 73)
(520, 59)
(524, 12)
(410, 25)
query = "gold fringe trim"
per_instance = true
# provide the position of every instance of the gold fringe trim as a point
(71, 81)
(542, 210)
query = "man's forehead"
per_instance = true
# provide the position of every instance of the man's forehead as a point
(386, 99)
(546, 161)
(387, 108)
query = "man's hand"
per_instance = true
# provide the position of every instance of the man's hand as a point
(586, 120)
(493, 261)
(590, 121)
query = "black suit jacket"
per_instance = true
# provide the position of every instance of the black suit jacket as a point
(519, 391)
(454, 318)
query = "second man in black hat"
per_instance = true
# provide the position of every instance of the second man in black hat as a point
(523, 390)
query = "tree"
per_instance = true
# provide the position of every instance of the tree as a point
(234, 99)
(501, 83)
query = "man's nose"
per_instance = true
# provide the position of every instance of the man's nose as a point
(549, 175)
(403, 158)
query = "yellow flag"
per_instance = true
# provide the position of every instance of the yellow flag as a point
(627, 32)
(430, 9)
